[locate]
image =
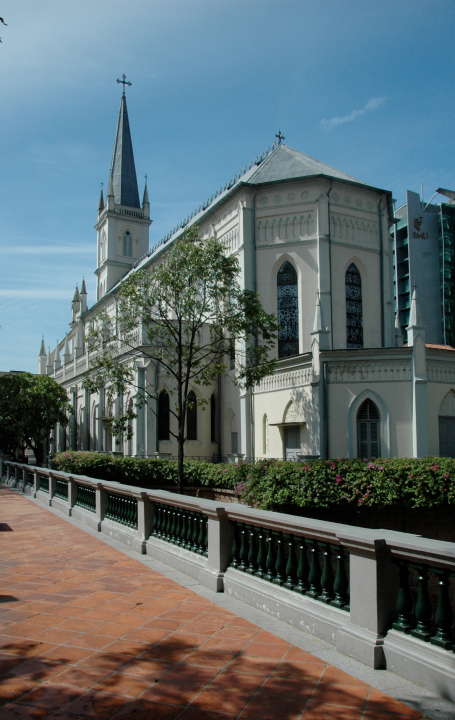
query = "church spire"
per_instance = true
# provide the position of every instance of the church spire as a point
(101, 202)
(123, 173)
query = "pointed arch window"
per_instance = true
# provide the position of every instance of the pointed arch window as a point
(368, 438)
(127, 244)
(191, 417)
(354, 321)
(163, 416)
(288, 311)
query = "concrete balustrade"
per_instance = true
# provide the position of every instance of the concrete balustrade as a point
(362, 629)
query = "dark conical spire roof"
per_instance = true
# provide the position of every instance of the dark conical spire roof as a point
(123, 173)
(101, 202)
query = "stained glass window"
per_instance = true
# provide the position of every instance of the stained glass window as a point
(288, 311)
(354, 327)
(368, 443)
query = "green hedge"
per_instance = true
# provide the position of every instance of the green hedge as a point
(275, 484)
(145, 472)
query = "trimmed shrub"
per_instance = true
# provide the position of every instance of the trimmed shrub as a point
(145, 472)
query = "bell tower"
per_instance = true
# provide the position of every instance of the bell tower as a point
(123, 223)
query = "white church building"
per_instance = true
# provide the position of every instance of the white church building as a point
(315, 244)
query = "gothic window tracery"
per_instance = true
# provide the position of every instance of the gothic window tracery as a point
(368, 440)
(288, 311)
(354, 320)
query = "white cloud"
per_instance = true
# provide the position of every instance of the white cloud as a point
(372, 104)
(36, 294)
(47, 250)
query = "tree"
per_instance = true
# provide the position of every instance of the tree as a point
(30, 406)
(192, 311)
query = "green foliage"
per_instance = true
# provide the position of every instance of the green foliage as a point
(186, 310)
(145, 472)
(30, 406)
(278, 485)
(411, 483)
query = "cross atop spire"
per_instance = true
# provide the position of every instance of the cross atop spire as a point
(279, 137)
(124, 82)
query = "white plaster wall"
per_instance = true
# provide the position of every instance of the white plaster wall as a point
(436, 394)
(395, 397)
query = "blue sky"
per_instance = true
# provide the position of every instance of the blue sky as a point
(365, 87)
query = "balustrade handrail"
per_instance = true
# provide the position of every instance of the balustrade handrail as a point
(413, 548)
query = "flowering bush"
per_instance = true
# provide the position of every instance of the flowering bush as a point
(275, 484)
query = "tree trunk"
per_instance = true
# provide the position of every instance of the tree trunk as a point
(181, 442)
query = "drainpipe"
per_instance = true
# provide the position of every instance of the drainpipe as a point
(381, 269)
(330, 263)
(444, 336)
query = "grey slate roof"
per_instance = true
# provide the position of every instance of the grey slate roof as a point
(123, 173)
(284, 163)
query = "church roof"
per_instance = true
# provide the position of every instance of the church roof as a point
(284, 163)
(123, 173)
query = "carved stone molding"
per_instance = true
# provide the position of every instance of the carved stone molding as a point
(282, 381)
(344, 372)
(231, 239)
(287, 228)
(348, 227)
(441, 372)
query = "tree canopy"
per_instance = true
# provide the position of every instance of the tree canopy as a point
(30, 406)
(192, 313)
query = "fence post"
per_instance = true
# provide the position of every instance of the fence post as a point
(72, 490)
(23, 479)
(144, 519)
(219, 545)
(51, 487)
(100, 498)
(15, 476)
(373, 583)
(35, 483)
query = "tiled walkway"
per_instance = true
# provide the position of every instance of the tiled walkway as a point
(88, 632)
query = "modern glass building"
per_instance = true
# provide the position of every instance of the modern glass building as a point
(424, 256)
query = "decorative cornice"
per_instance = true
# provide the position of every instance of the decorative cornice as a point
(388, 371)
(282, 381)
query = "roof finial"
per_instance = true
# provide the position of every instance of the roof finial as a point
(279, 137)
(124, 82)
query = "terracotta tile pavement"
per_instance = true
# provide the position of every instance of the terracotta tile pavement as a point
(86, 632)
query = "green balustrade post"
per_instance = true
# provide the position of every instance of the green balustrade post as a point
(326, 574)
(403, 607)
(269, 556)
(314, 576)
(235, 545)
(250, 536)
(443, 614)
(278, 579)
(242, 533)
(144, 520)
(340, 584)
(422, 609)
(260, 557)
(23, 478)
(302, 566)
(100, 504)
(290, 562)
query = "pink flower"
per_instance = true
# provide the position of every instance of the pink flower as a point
(434, 467)
(338, 479)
